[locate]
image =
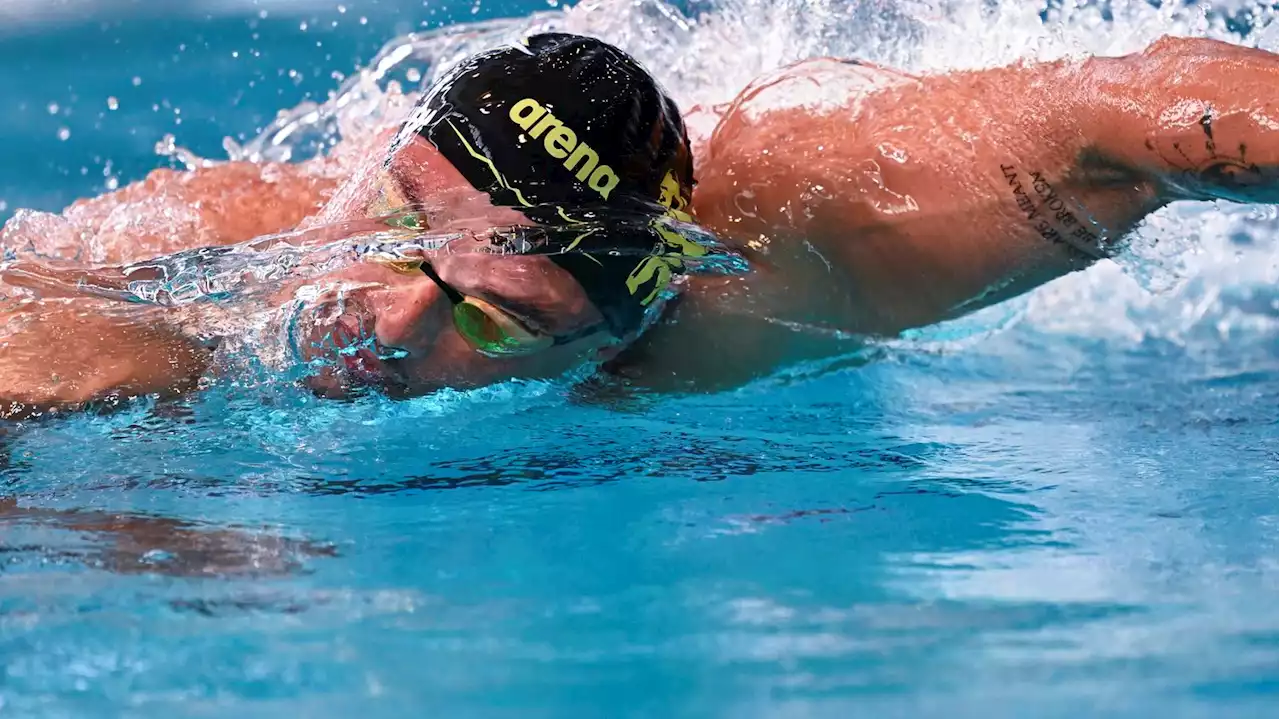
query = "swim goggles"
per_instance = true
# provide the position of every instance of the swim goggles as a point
(489, 330)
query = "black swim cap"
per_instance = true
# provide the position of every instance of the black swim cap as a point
(565, 127)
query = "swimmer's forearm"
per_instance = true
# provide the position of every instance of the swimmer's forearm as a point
(66, 356)
(49, 281)
(1197, 116)
(195, 272)
(172, 210)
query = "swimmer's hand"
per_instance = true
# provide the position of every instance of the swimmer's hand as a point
(68, 355)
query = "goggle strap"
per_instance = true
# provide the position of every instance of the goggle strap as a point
(453, 294)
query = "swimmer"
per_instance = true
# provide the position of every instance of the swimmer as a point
(867, 201)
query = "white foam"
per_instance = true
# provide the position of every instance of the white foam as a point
(707, 56)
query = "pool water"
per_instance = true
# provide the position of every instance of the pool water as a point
(1065, 506)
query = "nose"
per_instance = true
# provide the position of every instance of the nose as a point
(411, 316)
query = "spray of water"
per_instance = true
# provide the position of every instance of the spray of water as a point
(1187, 268)
(1191, 270)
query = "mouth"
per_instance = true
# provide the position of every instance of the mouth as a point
(335, 339)
(360, 359)
(363, 366)
(356, 357)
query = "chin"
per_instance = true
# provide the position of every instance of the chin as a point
(330, 384)
(334, 382)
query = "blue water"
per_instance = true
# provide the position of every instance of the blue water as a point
(1041, 523)
(200, 76)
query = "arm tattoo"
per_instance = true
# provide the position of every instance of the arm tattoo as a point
(1207, 165)
(1061, 221)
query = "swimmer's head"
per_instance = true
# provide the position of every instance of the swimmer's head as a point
(558, 121)
(465, 317)
(561, 132)
(556, 130)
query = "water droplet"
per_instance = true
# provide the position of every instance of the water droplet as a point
(64, 134)
(262, 14)
(137, 81)
(342, 9)
(113, 183)
(364, 20)
(53, 108)
(413, 74)
(235, 53)
(113, 103)
(302, 26)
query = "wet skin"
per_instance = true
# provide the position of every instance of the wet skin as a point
(915, 200)
(405, 319)
(403, 325)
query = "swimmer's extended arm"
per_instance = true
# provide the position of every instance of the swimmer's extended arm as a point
(885, 202)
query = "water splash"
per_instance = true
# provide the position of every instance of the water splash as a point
(705, 51)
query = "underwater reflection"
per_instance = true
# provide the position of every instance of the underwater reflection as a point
(136, 543)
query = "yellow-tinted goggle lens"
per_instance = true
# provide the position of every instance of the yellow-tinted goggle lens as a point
(484, 332)
(487, 329)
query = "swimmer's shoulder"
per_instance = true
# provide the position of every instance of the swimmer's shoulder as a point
(816, 99)
(807, 87)
(790, 138)
(817, 85)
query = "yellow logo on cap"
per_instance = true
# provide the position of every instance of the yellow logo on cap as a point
(660, 265)
(670, 194)
(562, 144)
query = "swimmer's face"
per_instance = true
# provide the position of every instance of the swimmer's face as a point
(374, 326)
(414, 173)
